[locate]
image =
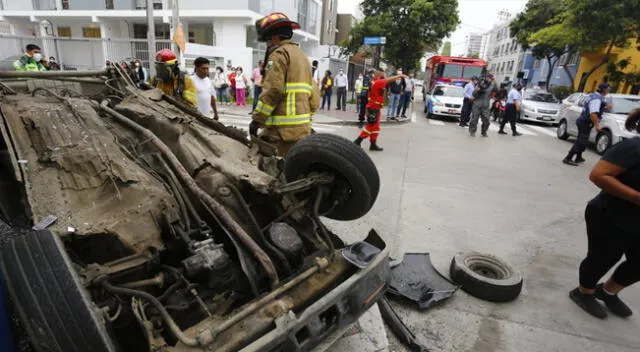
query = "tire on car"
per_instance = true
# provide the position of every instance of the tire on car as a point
(48, 297)
(355, 172)
(486, 277)
(562, 130)
(603, 141)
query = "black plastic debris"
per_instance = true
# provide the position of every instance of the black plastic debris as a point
(399, 329)
(360, 254)
(416, 279)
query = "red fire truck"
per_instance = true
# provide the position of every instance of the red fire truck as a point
(452, 70)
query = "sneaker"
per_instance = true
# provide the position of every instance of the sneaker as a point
(516, 134)
(392, 118)
(569, 162)
(588, 303)
(613, 302)
(502, 132)
(404, 116)
(580, 160)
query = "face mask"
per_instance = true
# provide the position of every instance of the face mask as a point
(37, 56)
(238, 72)
(359, 77)
(137, 64)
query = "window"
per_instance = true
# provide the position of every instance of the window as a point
(157, 6)
(91, 32)
(303, 7)
(65, 4)
(452, 70)
(313, 17)
(64, 32)
(330, 5)
(108, 4)
(572, 59)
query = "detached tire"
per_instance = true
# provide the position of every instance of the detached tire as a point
(48, 297)
(353, 168)
(486, 276)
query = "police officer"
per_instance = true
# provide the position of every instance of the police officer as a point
(288, 97)
(467, 103)
(511, 110)
(481, 104)
(31, 60)
(364, 96)
(590, 117)
(171, 80)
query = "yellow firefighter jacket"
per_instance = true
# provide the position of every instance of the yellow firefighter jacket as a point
(189, 91)
(289, 96)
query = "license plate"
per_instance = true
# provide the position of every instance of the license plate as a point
(547, 118)
(452, 111)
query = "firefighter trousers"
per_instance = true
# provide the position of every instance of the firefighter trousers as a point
(371, 130)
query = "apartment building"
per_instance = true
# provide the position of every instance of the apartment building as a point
(329, 22)
(82, 34)
(474, 44)
(503, 51)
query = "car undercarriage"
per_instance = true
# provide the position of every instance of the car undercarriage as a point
(136, 224)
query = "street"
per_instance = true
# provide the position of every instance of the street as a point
(444, 192)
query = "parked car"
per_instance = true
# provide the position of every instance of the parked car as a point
(540, 106)
(612, 122)
(444, 101)
(131, 222)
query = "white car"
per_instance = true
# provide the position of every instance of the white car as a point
(612, 122)
(540, 106)
(445, 101)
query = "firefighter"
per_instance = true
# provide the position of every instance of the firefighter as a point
(171, 80)
(31, 60)
(374, 107)
(288, 97)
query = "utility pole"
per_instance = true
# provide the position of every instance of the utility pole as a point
(151, 37)
(175, 19)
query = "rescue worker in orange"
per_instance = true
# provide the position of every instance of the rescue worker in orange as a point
(171, 80)
(289, 98)
(374, 107)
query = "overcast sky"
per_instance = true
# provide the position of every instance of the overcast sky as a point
(475, 16)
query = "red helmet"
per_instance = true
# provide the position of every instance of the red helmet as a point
(166, 56)
(268, 24)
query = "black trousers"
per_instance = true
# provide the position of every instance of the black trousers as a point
(584, 130)
(342, 97)
(510, 116)
(465, 113)
(364, 98)
(606, 245)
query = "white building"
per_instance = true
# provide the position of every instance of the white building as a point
(82, 34)
(503, 51)
(474, 44)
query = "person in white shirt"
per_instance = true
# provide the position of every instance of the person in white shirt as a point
(315, 72)
(342, 84)
(206, 101)
(221, 84)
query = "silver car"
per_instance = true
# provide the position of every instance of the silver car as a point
(612, 122)
(540, 106)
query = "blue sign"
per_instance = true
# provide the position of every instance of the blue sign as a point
(375, 40)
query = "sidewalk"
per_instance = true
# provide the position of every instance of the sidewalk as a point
(333, 116)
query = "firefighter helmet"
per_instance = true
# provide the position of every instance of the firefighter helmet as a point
(166, 56)
(273, 24)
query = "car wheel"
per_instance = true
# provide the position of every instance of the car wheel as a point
(561, 131)
(603, 141)
(355, 172)
(48, 297)
(486, 277)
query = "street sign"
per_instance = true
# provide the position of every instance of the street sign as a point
(375, 40)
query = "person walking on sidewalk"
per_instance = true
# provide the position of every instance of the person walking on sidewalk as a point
(612, 228)
(467, 102)
(364, 96)
(591, 115)
(395, 89)
(511, 109)
(407, 95)
(256, 78)
(206, 101)
(241, 87)
(327, 86)
(481, 105)
(221, 84)
(374, 109)
(358, 89)
(342, 85)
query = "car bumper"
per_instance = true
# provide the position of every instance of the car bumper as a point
(444, 111)
(540, 117)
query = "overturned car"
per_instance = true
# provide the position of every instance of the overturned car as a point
(132, 223)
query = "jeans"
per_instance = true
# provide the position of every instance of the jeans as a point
(326, 98)
(394, 101)
(405, 100)
(342, 98)
(606, 245)
(257, 90)
(222, 95)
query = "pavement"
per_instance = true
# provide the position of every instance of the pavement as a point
(444, 192)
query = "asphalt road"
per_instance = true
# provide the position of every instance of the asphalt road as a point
(445, 192)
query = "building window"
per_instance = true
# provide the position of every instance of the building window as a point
(91, 32)
(157, 6)
(313, 16)
(64, 32)
(572, 59)
(65, 4)
(303, 7)
(108, 4)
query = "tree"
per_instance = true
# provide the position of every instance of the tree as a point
(446, 49)
(603, 24)
(410, 26)
(538, 27)
(474, 56)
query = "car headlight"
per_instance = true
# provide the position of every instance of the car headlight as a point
(436, 103)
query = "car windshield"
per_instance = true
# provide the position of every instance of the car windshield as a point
(470, 71)
(624, 105)
(542, 97)
(448, 91)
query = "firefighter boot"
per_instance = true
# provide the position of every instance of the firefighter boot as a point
(358, 141)
(375, 147)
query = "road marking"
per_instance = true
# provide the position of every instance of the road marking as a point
(435, 122)
(413, 116)
(548, 131)
(496, 127)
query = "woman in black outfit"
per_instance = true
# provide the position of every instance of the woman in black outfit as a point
(612, 228)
